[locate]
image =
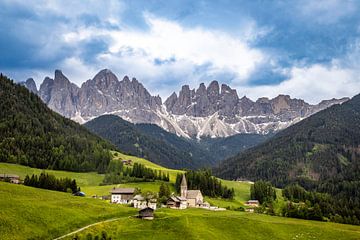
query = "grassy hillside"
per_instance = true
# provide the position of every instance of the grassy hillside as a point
(32, 213)
(147, 163)
(203, 224)
(82, 179)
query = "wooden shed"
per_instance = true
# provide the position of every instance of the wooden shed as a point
(146, 213)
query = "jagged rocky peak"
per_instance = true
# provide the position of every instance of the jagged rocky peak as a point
(170, 101)
(60, 94)
(30, 84)
(60, 78)
(213, 92)
(105, 79)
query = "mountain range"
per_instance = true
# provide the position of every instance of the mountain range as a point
(212, 111)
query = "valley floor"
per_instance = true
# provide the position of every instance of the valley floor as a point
(32, 213)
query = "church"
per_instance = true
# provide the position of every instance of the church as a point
(192, 198)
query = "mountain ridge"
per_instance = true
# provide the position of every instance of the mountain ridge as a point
(212, 111)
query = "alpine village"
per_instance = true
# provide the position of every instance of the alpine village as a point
(180, 120)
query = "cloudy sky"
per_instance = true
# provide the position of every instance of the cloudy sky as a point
(307, 49)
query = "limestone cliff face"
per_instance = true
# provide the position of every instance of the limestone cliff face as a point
(30, 84)
(60, 94)
(100, 95)
(214, 110)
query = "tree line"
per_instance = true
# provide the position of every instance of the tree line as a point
(204, 181)
(312, 205)
(47, 181)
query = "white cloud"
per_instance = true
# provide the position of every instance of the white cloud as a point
(168, 40)
(313, 83)
(325, 11)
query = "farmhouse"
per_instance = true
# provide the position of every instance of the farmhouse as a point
(12, 178)
(177, 202)
(146, 213)
(140, 202)
(122, 195)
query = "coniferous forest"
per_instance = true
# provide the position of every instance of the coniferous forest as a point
(203, 180)
(116, 173)
(48, 181)
(33, 135)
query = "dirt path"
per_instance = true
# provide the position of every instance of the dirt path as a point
(91, 225)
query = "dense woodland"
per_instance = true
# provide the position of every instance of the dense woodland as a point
(118, 173)
(204, 181)
(263, 191)
(130, 140)
(33, 135)
(50, 182)
(167, 149)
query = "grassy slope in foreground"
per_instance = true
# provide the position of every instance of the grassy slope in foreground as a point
(203, 224)
(32, 213)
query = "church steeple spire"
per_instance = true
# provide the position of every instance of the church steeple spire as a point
(183, 187)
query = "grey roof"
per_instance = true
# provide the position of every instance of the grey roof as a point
(181, 198)
(192, 193)
(253, 201)
(177, 199)
(5, 175)
(174, 199)
(123, 190)
(139, 197)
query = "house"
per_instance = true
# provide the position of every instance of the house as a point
(12, 178)
(146, 213)
(252, 203)
(122, 195)
(177, 202)
(140, 202)
(126, 162)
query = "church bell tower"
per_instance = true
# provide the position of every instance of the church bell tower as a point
(183, 187)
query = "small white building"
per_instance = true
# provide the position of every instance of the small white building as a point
(252, 203)
(141, 203)
(122, 195)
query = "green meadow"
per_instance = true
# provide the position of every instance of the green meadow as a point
(32, 213)
(205, 224)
